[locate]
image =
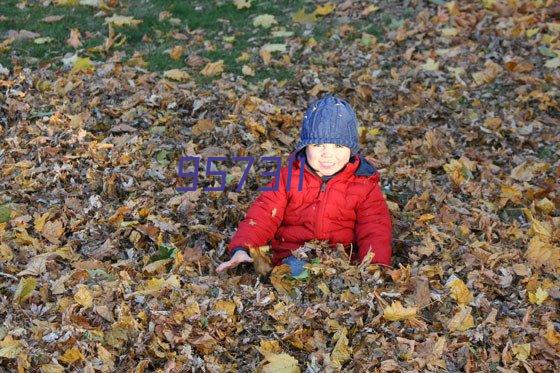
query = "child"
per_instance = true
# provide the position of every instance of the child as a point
(340, 201)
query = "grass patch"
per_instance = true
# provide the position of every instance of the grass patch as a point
(215, 21)
(212, 29)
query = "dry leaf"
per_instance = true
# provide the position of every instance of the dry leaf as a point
(264, 20)
(202, 126)
(261, 259)
(281, 279)
(10, 348)
(177, 74)
(74, 39)
(460, 292)
(83, 297)
(24, 289)
(177, 52)
(213, 68)
(463, 320)
(119, 21)
(71, 356)
(242, 4)
(396, 312)
(341, 353)
(279, 363)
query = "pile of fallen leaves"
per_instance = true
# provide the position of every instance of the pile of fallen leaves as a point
(105, 266)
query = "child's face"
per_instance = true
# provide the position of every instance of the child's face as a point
(327, 159)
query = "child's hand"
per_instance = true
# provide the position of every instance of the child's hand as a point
(239, 257)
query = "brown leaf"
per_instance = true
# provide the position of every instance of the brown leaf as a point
(202, 126)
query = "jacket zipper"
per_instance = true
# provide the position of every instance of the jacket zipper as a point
(320, 211)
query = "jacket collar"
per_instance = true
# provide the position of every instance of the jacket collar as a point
(358, 164)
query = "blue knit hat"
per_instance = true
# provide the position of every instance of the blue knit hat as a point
(329, 120)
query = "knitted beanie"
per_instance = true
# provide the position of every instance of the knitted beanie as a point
(329, 120)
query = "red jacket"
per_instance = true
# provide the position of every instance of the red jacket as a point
(349, 209)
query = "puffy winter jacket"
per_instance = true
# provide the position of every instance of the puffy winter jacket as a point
(349, 208)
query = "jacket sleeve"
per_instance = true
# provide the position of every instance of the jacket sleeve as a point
(373, 225)
(263, 217)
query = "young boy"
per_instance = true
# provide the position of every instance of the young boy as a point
(340, 201)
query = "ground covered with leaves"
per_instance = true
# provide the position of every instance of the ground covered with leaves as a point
(105, 266)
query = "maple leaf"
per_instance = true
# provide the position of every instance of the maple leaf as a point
(396, 312)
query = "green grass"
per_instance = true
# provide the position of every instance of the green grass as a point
(215, 20)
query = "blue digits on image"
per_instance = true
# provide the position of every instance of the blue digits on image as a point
(193, 173)
(210, 172)
(275, 173)
(289, 181)
(250, 160)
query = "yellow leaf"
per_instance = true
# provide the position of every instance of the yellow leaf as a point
(261, 259)
(553, 27)
(172, 282)
(191, 309)
(462, 320)
(538, 297)
(460, 292)
(545, 205)
(542, 253)
(246, 70)
(396, 312)
(153, 285)
(511, 193)
(240, 4)
(213, 68)
(5, 45)
(522, 351)
(488, 75)
(40, 222)
(82, 64)
(449, 32)
(226, 306)
(341, 352)
(277, 363)
(24, 289)
(71, 356)
(532, 32)
(270, 346)
(6, 253)
(176, 52)
(117, 21)
(10, 348)
(425, 217)
(244, 57)
(552, 336)
(264, 20)
(488, 4)
(430, 65)
(83, 297)
(280, 279)
(324, 288)
(323, 10)
(176, 74)
(265, 55)
(301, 17)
